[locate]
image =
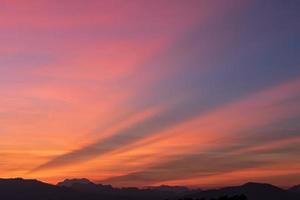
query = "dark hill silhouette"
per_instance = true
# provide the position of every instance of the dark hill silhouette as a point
(83, 189)
(253, 191)
(85, 186)
(167, 188)
(295, 189)
(21, 189)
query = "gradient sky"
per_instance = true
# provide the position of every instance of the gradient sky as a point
(135, 93)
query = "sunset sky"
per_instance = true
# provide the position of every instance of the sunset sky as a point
(146, 92)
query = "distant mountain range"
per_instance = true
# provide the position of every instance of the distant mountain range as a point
(83, 189)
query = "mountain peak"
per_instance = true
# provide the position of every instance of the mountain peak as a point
(71, 182)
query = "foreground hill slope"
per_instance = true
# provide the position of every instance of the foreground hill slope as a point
(21, 189)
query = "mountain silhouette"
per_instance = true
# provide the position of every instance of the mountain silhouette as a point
(21, 189)
(295, 189)
(253, 191)
(72, 182)
(167, 188)
(85, 186)
(83, 189)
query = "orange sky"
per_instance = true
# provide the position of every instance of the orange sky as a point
(137, 93)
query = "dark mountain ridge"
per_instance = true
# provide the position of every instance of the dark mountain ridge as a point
(253, 191)
(295, 189)
(83, 189)
(30, 189)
